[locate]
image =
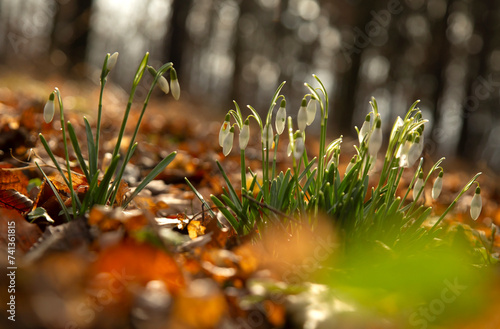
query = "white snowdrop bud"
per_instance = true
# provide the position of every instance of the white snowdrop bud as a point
(311, 110)
(365, 129)
(413, 152)
(112, 61)
(419, 185)
(244, 135)
(49, 109)
(163, 83)
(375, 139)
(438, 186)
(299, 148)
(267, 136)
(281, 118)
(228, 142)
(174, 85)
(302, 116)
(476, 204)
(224, 129)
(403, 151)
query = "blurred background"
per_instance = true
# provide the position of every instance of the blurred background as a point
(444, 52)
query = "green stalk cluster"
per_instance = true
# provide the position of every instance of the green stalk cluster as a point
(103, 188)
(314, 186)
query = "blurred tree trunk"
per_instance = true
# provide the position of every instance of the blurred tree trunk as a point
(70, 32)
(484, 14)
(178, 36)
(344, 100)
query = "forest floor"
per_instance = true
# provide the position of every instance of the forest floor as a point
(165, 263)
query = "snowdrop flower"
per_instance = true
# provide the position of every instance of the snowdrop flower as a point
(267, 136)
(281, 118)
(413, 152)
(419, 185)
(244, 135)
(365, 129)
(311, 111)
(476, 204)
(224, 129)
(299, 147)
(302, 116)
(174, 85)
(163, 83)
(112, 61)
(438, 186)
(375, 139)
(228, 142)
(403, 152)
(49, 109)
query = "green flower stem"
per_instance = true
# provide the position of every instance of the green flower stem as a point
(74, 198)
(103, 79)
(137, 79)
(243, 173)
(116, 183)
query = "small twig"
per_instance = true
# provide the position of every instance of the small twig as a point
(263, 205)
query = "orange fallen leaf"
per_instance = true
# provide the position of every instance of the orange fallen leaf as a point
(195, 229)
(140, 263)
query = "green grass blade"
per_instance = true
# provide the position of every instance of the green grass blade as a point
(102, 190)
(155, 172)
(56, 193)
(200, 197)
(232, 192)
(91, 148)
(78, 151)
(230, 218)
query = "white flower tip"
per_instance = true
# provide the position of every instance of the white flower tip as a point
(112, 61)
(311, 111)
(244, 136)
(49, 109)
(299, 148)
(163, 83)
(176, 89)
(280, 119)
(174, 84)
(302, 118)
(228, 143)
(476, 204)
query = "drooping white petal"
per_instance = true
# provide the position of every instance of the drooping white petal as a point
(267, 136)
(224, 130)
(299, 148)
(280, 120)
(413, 152)
(476, 204)
(419, 184)
(163, 83)
(437, 187)
(244, 136)
(48, 111)
(365, 129)
(375, 140)
(174, 84)
(176, 89)
(311, 111)
(228, 142)
(302, 118)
